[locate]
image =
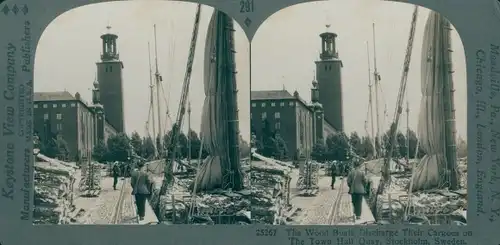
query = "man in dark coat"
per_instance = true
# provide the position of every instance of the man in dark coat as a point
(333, 174)
(142, 188)
(357, 182)
(115, 171)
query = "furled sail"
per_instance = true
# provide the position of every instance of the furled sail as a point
(432, 170)
(219, 126)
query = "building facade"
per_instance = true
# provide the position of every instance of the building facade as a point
(66, 116)
(83, 126)
(299, 123)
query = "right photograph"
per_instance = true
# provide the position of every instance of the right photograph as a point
(358, 116)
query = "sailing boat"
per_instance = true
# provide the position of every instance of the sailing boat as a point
(436, 126)
(219, 128)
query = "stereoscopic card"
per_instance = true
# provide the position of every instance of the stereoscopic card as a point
(250, 122)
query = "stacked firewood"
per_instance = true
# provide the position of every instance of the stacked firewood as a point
(269, 191)
(90, 183)
(53, 197)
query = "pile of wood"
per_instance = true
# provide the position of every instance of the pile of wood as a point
(308, 179)
(53, 199)
(90, 183)
(437, 206)
(270, 191)
(213, 207)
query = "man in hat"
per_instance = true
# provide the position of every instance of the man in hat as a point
(333, 174)
(115, 172)
(142, 188)
(357, 182)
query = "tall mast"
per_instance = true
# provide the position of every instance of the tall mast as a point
(407, 142)
(370, 101)
(158, 81)
(449, 107)
(189, 133)
(376, 77)
(407, 129)
(151, 98)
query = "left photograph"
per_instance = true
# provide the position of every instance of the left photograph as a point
(142, 120)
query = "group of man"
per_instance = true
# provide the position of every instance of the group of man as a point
(357, 182)
(141, 182)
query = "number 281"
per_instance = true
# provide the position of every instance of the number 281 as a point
(246, 6)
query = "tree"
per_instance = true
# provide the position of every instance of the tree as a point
(367, 150)
(319, 151)
(100, 151)
(182, 145)
(386, 141)
(195, 144)
(159, 146)
(355, 142)
(148, 148)
(118, 147)
(268, 146)
(62, 148)
(281, 149)
(402, 148)
(337, 147)
(48, 147)
(136, 142)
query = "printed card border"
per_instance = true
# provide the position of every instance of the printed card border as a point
(476, 21)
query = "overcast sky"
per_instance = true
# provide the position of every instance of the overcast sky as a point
(284, 50)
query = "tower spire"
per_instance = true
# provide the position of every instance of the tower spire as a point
(328, 49)
(109, 47)
(96, 82)
(96, 98)
(109, 83)
(328, 92)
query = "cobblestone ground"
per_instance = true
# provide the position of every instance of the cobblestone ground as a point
(100, 210)
(345, 210)
(315, 209)
(105, 204)
(129, 214)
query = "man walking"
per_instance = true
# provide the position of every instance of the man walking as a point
(356, 180)
(333, 173)
(142, 188)
(115, 171)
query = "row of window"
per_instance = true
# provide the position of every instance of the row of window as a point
(63, 105)
(277, 115)
(46, 116)
(273, 104)
(59, 116)
(263, 116)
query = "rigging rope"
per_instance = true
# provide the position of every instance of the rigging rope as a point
(165, 126)
(400, 98)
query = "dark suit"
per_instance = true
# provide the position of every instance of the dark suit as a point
(357, 182)
(333, 174)
(142, 185)
(116, 172)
